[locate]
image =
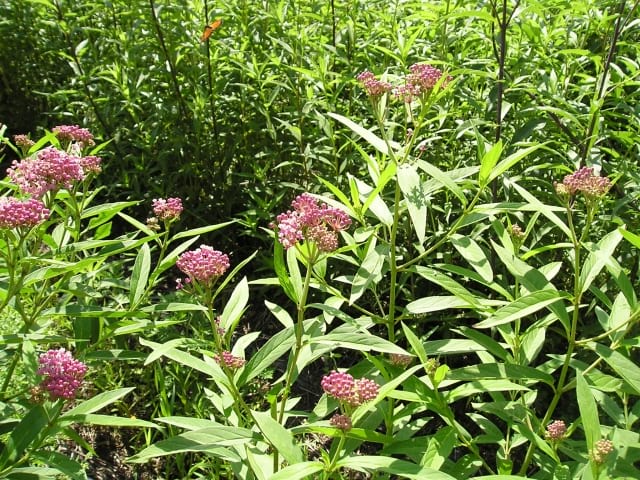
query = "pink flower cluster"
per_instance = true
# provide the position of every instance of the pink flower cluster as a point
(342, 386)
(556, 430)
(229, 360)
(310, 220)
(420, 82)
(203, 264)
(601, 449)
(585, 181)
(74, 133)
(373, 86)
(167, 210)
(23, 141)
(51, 169)
(343, 422)
(63, 374)
(16, 213)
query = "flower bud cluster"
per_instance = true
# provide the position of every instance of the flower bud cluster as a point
(74, 133)
(167, 209)
(63, 375)
(418, 84)
(556, 431)
(50, 170)
(374, 87)
(16, 213)
(345, 388)
(203, 264)
(229, 360)
(312, 221)
(601, 449)
(584, 181)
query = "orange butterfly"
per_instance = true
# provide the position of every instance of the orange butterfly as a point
(209, 29)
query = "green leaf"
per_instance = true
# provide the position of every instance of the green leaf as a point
(500, 370)
(435, 304)
(588, 411)
(533, 280)
(449, 284)
(201, 230)
(493, 347)
(364, 342)
(522, 307)
(281, 271)
(442, 178)
(472, 253)
(511, 160)
(26, 432)
(278, 345)
(415, 198)
(106, 420)
(235, 306)
(278, 436)
(439, 448)
(627, 369)
(298, 471)
(599, 256)
(196, 441)
(415, 343)
(488, 162)
(371, 138)
(394, 466)
(97, 402)
(374, 202)
(65, 465)
(369, 271)
(140, 274)
(294, 273)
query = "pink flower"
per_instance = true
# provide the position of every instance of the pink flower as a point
(420, 82)
(23, 141)
(16, 213)
(73, 133)
(63, 374)
(601, 449)
(343, 422)
(203, 264)
(312, 221)
(374, 88)
(585, 181)
(90, 164)
(169, 209)
(51, 169)
(352, 392)
(229, 360)
(556, 430)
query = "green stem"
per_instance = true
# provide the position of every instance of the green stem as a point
(334, 459)
(571, 337)
(299, 330)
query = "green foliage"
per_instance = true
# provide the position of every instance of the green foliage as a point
(483, 299)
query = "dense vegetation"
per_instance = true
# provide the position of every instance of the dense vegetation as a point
(405, 238)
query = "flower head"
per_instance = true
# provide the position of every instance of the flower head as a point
(203, 264)
(343, 387)
(16, 213)
(586, 182)
(63, 375)
(601, 449)
(556, 430)
(420, 82)
(229, 360)
(375, 88)
(167, 209)
(73, 133)
(90, 164)
(23, 141)
(51, 169)
(311, 220)
(343, 422)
